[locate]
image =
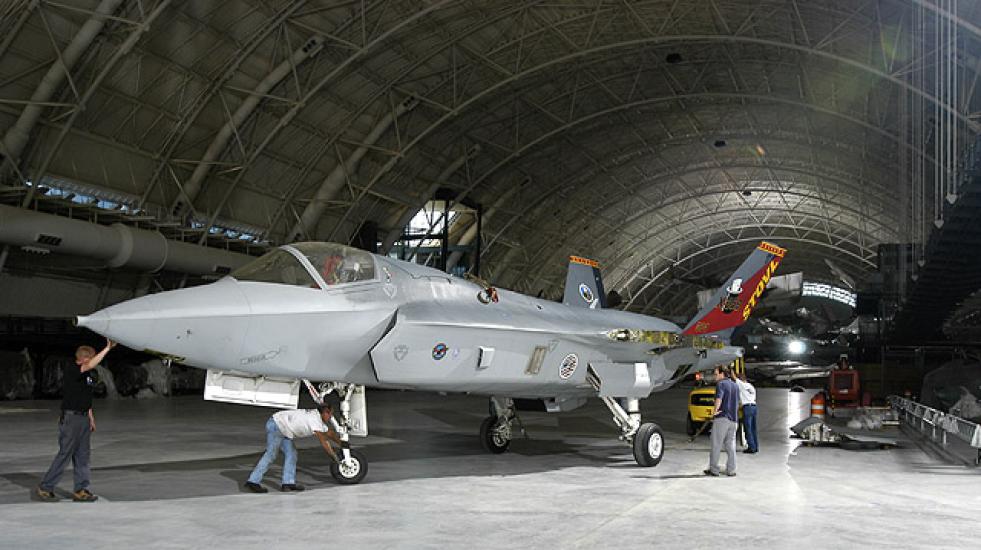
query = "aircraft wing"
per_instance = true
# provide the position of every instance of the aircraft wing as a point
(498, 351)
(453, 349)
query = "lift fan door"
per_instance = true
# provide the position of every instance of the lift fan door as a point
(251, 389)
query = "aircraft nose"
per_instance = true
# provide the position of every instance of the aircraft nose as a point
(129, 323)
(202, 325)
(97, 322)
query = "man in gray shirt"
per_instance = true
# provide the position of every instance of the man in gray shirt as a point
(724, 422)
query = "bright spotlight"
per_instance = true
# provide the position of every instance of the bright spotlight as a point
(796, 347)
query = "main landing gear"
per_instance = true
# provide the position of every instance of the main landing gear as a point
(495, 430)
(646, 439)
(353, 465)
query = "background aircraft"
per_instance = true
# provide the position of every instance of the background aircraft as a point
(327, 312)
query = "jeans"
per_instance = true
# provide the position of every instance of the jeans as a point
(74, 438)
(749, 425)
(723, 433)
(275, 441)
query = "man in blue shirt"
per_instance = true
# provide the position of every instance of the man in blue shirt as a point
(724, 422)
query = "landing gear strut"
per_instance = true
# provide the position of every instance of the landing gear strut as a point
(646, 438)
(495, 430)
(353, 465)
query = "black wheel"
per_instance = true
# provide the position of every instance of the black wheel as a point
(648, 445)
(495, 435)
(691, 428)
(350, 472)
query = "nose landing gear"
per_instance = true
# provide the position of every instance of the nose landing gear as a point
(353, 465)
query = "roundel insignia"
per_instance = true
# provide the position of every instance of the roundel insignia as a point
(439, 351)
(568, 366)
(586, 293)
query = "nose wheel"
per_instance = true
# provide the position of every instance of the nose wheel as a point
(351, 469)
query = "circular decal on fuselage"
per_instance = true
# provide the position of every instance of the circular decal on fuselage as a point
(568, 366)
(439, 351)
(586, 293)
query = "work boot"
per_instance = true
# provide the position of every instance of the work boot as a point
(45, 496)
(292, 487)
(83, 495)
(255, 487)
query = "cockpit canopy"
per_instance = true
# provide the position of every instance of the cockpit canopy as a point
(334, 264)
(338, 264)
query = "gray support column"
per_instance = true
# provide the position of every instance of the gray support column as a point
(193, 186)
(17, 136)
(471, 233)
(335, 180)
(401, 219)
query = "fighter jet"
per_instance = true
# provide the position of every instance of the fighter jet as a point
(347, 319)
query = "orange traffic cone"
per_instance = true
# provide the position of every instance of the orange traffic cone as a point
(817, 405)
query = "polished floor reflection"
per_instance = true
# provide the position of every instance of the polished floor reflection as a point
(169, 473)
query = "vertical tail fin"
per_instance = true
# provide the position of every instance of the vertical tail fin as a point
(583, 284)
(733, 303)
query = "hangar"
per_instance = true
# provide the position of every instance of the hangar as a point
(557, 200)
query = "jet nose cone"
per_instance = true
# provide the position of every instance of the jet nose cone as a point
(130, 323)
(98, 322)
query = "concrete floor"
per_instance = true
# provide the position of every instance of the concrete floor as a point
(169, 472)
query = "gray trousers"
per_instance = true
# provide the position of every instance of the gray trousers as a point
(723, 433)
(74, 436)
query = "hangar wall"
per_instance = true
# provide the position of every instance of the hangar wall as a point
(33, 296)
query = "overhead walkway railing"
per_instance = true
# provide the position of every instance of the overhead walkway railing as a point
(952, 434)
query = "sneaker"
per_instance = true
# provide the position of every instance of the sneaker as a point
(748, 452)
(731, 474)
(292, 487)
(84, 495)
(710, 473)
(45, 496)
(255, 487)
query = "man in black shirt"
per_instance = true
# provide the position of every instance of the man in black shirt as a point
(76, 426)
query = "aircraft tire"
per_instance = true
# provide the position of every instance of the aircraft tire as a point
(649, 445)
(490, 439)
(351, 475)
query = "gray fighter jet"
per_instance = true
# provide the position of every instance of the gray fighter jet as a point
(349, 319)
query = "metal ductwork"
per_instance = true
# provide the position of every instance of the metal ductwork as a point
(192, 187)
(120, 246)
(399, 221)
(16, 138)
(338, 176)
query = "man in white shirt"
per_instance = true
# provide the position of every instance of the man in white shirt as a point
(281, 429)
(747, 396)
